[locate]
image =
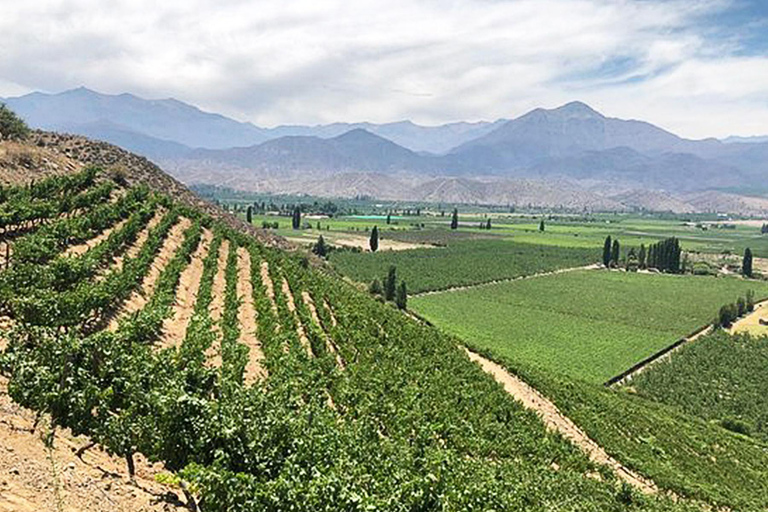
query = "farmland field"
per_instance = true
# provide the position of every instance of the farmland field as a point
(722, 378)
(590, 325)
(462, 262)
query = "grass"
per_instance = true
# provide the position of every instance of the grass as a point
(590, 325)
(720, 377)
(462, 262)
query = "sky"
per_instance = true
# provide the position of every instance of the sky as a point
(696, 67)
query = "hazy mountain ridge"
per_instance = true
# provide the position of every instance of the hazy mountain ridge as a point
(592, 157)
(171, 120)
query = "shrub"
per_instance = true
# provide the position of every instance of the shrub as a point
(736, 425)
(12, 127)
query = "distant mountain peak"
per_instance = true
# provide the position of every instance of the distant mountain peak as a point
(577, 108)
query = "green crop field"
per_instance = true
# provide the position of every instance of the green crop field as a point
(720, 377)
(462, 262)
(587, 324)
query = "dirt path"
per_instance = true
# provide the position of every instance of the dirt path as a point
(33, 475)
(133, 250)
(175, 327)
(511, 279)
(558, 422)
(80, 249)
(329, 344)
(6, 250)
(140, 297)
(267, 282)
(292, 308)
(216, 310)
(246, 316)
(330, 313)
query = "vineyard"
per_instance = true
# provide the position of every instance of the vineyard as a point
(463, 262)
(720, 378)
(590, 324)
(257, 380)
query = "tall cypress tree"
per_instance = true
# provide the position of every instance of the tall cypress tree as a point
(615, 253)
(607, 251)
(402, 296)
(541, 225)
(390, 283)
(488, 224)
(320, 248)
(249, 214)
(374, 241)
(296, 219)
(746, 264)
(641, 255)
(455, 219)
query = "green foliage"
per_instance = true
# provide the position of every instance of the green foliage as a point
(409, 424)
(375, 288)
(374, 240)
(390, 283)
(401, 299)
(746, 264)
(455, 219)
(320, 248)
(719, 378)
(462, 262)
(12, 127)
(665, 256)
(692, 457)
(607, 251)
(585, 324)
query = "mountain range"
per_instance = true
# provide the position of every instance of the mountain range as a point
(571, 156)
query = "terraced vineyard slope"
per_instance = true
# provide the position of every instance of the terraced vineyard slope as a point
(257, 381)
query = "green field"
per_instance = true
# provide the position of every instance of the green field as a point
(720, 377)
(462, 262)
(590, 325)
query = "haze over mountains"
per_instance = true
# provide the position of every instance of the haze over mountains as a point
(572, 156)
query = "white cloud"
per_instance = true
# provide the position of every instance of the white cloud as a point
(307, 61)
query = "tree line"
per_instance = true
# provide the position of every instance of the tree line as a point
(389, 290)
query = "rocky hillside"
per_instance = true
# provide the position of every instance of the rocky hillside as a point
(50, 153)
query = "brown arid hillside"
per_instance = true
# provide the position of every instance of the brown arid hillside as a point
(39, 475)
(48, 153)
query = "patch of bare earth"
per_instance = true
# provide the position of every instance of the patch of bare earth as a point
(384, 244)
(139, 298)
(267, 282)
(80, 249)
(175, 327)
(246, 316)
(213, 353)
(22, 163)
(5, 253)
(34, 477)
(292, 308)
(329, 344)
(558, 422)
(754, 323)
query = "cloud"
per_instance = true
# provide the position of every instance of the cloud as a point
(309, 61)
